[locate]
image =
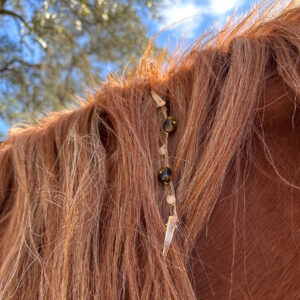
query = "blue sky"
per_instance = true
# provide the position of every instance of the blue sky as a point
(192, 19)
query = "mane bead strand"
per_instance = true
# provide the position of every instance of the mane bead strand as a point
(165, 173)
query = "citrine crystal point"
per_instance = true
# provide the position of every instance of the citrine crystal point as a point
(171, 226)
(160, 102)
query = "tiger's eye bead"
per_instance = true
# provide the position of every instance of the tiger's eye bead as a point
(165, 174)
(170, 124)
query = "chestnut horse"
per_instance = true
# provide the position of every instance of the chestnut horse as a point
(82, 214)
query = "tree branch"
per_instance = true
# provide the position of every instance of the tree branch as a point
(2, 3)
(24, 63)
(15, 15)
(26, 24)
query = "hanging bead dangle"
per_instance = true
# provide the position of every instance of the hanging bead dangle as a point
(169, 125)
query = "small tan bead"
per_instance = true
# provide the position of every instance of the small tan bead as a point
(171, 199)
(163, 150)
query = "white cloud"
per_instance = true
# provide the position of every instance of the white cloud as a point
(178, 10)
(190, 13)
(182, 15)
(221, 7)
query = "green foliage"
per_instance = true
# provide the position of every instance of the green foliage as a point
(53, 49)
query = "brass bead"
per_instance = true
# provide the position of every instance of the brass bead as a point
(170, 124)
(165, 174)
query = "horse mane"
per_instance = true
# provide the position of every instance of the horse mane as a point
(82, 215)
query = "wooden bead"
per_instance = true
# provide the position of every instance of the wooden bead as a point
(170, 124)
(165, 174)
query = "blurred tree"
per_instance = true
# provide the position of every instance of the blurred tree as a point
(53, 49)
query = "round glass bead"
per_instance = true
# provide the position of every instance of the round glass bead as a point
(170, 124)
(165, 174)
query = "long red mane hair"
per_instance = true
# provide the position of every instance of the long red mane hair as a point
(82, 215)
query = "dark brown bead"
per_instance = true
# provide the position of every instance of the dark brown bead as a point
(170, 125)
(165, 174)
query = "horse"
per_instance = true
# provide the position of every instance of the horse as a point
(82, 210)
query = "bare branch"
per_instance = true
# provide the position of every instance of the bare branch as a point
(2, 3)
(15, 15)
(26, 24)
(6, 67)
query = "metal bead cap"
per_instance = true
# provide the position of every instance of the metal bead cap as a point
(170, 124)
(164, 174)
